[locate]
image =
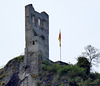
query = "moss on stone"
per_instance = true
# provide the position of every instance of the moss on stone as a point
(3, 84)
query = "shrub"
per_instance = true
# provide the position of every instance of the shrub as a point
(84, 63)
(53, 68)
(1, 76)
(38, 83)
(20, 58)
(77, 71)
(79, 80)
(71, 82)
(12, 67)
(63, 70)
(10, 64)
(62, 84)
(44, 67)
(50, 68)
(34, 76)
(46, 63)
(1, 71)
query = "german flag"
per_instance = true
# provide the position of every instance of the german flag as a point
(59, 38)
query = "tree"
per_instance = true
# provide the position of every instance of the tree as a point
(84, 63)
(92, 54)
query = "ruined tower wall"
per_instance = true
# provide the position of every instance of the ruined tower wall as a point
(36, 37)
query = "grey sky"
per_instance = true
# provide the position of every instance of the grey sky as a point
(79, 21)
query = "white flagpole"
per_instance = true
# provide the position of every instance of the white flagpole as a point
(60, 45)
(60, 53)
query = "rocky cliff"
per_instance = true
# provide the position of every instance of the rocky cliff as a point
(13, 74)
(9, 74)
(52, 74)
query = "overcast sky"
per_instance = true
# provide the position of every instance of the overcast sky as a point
(79, 21)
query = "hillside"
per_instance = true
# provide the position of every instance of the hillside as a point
(10, 70)
(52, 74)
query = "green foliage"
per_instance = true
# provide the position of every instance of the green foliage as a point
(72, 71)
(10, 64)
(61, 75)
(38, 83)
(77, 71)
(34, 76)
(62, 84)
(84, 63)
(1, 73)
(1, 76)
(54, 68)
(50, 67)
(63, 70)
(78, 80)
(1, 70)
(12, 67)
(74, 75)
(46, 63)
(71, 82)
(44, 67)
(95, 75)
(20, 58)
(46, 84)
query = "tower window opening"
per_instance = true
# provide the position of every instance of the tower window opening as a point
(33, 19)
(44, 24)
(33, 42)
(39, 21)
(35, 34)
(43, 38)
(43, 45)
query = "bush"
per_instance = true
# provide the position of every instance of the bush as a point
(34, 76)
(71, 82)
(10, 64)
(54, 68)
(62, 84)
(50, 67)
(63, 70)
(44, 67)
(46, 63)
(77, 71)
(12, 67)
(38, 83)
(1, 76)
(84, 63)
(20, 58)
(72, 71)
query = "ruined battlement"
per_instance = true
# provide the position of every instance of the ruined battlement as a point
(36, 19)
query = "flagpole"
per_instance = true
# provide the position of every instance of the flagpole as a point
(60, 53)
(60, 44)
(59, 38)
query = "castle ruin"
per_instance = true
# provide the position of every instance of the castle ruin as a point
(36, 37)
(36, 46)
(20, 71)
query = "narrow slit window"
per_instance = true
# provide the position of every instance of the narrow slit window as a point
(33, 43)
(33, 19)
(39, 21)
(44, 24)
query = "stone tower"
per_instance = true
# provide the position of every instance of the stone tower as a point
(37, 38)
